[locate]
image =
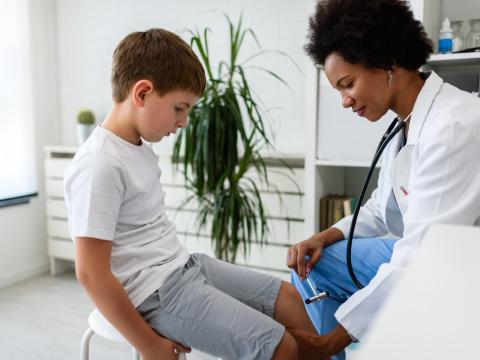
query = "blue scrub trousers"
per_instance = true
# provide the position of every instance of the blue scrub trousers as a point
(330, 274)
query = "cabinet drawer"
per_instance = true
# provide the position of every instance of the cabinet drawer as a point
(54, 188)
(56, 208)
(58, 228)
(266, 257)
(286, 206)
(280, 178)
(56, 167)
(62, 249)
(281, 231)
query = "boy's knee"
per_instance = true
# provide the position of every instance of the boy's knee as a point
(286, 290)
(287, 348)
(288, 294)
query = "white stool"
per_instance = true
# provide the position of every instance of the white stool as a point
(100, 326)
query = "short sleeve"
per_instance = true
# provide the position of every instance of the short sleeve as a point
(94, 191)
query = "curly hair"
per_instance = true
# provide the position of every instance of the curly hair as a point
(373, 33)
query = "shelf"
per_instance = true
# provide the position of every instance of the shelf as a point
(471, 58)
(344, 163)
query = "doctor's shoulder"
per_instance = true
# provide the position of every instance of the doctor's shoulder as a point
(456, 108)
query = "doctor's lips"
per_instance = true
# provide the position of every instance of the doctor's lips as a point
(360, 111)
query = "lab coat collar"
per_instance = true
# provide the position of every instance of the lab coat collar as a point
(422, 106)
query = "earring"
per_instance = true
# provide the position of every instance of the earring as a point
(390, 78)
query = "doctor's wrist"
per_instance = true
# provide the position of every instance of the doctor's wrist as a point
(337, 340)
(330, 236)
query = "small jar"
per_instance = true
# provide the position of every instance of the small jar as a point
(458, 38)
(473, 36)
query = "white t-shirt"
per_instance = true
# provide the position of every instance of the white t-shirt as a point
(113, 193)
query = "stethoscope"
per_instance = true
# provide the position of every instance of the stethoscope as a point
(393, 129)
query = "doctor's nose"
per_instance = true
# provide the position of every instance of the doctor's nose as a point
(347, 101)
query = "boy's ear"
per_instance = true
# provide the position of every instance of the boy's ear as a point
(140, 91)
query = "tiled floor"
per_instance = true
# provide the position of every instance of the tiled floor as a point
(44, 318)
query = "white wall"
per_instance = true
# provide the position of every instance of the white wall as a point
(72, 44)
(23, 231)
(88, 31)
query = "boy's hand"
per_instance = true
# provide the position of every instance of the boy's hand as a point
(163, 349)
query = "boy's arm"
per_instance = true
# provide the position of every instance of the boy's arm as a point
(92, 268)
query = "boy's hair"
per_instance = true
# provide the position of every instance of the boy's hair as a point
(372, 33)
(157, 55)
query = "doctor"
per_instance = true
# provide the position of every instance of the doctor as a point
(371, 52)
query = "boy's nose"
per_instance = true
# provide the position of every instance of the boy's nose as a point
(183, 122)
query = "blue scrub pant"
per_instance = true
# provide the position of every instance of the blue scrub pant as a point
(330, 274)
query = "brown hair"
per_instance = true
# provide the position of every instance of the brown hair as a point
(157, 55)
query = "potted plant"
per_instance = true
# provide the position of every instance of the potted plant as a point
(85, 125)
(220, 150)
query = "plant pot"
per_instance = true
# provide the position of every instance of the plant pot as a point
(83, 132)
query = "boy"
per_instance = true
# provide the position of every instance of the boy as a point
(128, 257)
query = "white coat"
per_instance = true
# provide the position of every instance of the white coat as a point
(434, 178)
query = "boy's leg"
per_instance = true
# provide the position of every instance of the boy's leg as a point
(187, 309)
(277, 299)
(321, 312)
(290, 310)
(330, 274)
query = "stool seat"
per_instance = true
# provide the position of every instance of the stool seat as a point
(102, 327)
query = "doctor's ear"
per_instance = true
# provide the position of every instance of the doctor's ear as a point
(389, 78)
(140, 91)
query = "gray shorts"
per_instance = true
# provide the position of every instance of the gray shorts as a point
(218, 308)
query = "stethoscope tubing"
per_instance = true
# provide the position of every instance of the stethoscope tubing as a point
(386, 138)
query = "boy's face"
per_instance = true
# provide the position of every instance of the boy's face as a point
(162, 115)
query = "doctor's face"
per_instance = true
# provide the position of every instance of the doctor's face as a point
(363, 89)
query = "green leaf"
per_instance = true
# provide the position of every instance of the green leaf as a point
(221, 148)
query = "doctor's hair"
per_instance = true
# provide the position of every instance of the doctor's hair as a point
(157, 55)
(372, 33)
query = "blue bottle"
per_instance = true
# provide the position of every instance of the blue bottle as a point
(445, 38)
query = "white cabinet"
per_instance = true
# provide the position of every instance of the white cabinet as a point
(285, 218)
(340, 144)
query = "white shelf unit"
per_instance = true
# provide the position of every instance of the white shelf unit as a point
(458, 59)
(285, 218)
(340, 145)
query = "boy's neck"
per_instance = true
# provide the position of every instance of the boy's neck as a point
(119, 122)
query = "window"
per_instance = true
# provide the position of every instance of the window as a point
(17, 155)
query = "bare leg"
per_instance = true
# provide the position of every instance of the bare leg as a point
(286, 349)
(320, 347)
(290, 310)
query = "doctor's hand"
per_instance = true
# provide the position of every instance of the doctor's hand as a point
(313, 247)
